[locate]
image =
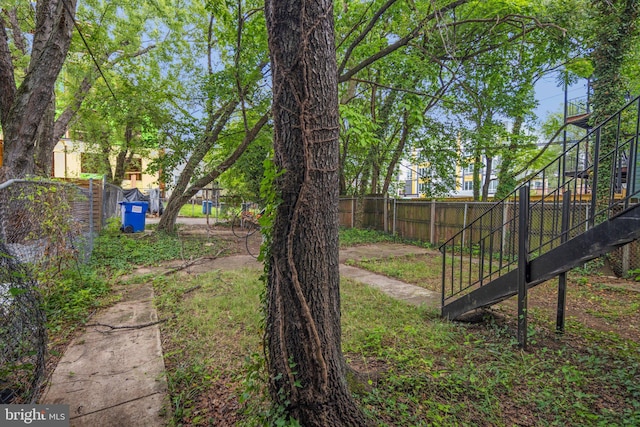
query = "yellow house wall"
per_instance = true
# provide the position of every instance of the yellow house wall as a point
(67, 164)
(148, 181)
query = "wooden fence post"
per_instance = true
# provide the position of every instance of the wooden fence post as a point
(432, 223)
(353, 212)
(385, 213)
(395, 215)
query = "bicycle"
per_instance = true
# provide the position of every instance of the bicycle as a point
(244, 225)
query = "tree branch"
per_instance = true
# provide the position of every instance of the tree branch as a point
(143, 325)
(62, 122)
(374, 19)
(398, 44)
(506, 20)
(395, 88)
(7, 79)
(229, 161)
(18, 38)
(190, 263)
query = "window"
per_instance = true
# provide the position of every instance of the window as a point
(493, 185)
(134, 169)
(536, 185)
(468, 186)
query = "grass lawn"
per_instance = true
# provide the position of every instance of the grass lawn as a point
(419, 270)
(193, 211)
(419, 370)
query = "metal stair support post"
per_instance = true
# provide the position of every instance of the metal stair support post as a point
(562, 277)
(523, 263)
(594, 181)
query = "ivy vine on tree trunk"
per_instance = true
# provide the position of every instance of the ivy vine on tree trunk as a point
(306, 366)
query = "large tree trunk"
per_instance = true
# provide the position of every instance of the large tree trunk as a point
(487, 178)
(305, 360)
(506, 178)
(22, 109)
(43, 152)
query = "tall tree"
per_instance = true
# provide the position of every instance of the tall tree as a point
(235, 105)
(616, 26)
(303, 286)
(109, 36)
(22, 107)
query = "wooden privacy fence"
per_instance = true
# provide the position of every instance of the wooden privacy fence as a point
(425, 220)
(435, 222)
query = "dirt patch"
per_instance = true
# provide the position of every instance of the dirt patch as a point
(601, 303)
(236, 253)
(238, 245)
(220, 403)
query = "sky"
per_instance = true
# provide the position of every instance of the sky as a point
(550, 96)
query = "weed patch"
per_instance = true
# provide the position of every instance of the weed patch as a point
(358, 236)
(410, 367)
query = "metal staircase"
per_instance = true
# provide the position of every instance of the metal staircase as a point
(580, 206)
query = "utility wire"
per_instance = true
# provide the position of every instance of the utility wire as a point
(84, 41)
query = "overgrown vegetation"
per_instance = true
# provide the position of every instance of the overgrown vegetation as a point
(119, 252)
(360, 236)
(414, 368)
(81, 288)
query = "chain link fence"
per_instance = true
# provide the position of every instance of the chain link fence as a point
(111, 196)
(435, 222)
(43, 224)
(23, 336)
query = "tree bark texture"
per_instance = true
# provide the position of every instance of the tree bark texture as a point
(23, 107)
(43, 155)
(303, 330)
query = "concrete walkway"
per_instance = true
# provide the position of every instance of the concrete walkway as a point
(394, 288)
(114, 375)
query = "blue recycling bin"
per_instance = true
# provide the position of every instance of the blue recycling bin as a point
(133, 216)
(206, 207)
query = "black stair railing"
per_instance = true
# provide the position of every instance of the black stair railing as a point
(598, 172)
(578, 106)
